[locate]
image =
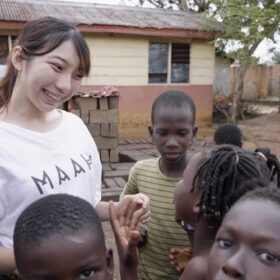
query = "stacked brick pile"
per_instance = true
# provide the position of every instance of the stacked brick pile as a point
(101, 117)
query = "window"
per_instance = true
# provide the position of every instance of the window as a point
(158, 57)
(179, 63)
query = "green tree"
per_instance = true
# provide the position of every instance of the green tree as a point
(246, 23)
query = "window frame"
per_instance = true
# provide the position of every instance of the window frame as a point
(169, 60)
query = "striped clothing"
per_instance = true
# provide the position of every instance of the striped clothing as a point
(163, 232)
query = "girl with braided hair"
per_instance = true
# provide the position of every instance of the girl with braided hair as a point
(248, 250)
(213, 180)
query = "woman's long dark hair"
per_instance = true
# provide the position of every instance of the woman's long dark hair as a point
(40, 37)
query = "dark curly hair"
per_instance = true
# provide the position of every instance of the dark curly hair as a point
(57, 214)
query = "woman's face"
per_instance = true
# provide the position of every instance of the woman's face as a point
(247, 245)
(47, 81)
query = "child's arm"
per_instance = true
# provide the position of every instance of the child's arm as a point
(7, 261)
(127, 238)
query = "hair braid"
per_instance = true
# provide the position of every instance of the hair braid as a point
(223, 171)
(272, 163)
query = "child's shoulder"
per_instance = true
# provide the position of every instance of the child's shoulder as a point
(152, 162)
(197, 268)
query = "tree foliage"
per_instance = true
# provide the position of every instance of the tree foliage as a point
(246, 23)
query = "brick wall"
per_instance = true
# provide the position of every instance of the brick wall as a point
(101, 118)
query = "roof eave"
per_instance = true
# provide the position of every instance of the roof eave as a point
(165, 32)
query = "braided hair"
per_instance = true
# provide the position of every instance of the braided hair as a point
(57, 214)
(272, 163)
(224, 170)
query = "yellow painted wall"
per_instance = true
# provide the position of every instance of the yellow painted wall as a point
(118, 60)
(124, 60)
(202, 63)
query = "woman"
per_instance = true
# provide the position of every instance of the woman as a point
(45, 150)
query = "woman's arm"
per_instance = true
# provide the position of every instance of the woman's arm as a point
(141, 200)
(7, 260)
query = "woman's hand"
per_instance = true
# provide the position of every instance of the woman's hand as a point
(143, 206)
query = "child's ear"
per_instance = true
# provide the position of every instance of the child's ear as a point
(17, 59)
(151, 131)
(194, 131)
(110, 263)
(196, 207)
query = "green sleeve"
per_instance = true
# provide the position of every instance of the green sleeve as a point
(131, 187)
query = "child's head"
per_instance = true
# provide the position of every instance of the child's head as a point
(212, 179)
(60, 237)
(38, 38)
(247, 245)
(228, 133)
(173, 129)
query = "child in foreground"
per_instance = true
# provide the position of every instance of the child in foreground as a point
(173, 131)
(212, 181)
(60, 237)
(247, 245)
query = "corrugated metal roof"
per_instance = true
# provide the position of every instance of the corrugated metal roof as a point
(96, 14)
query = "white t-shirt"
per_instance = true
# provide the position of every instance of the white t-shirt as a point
(34, 164)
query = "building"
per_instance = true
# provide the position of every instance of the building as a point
(141, 51)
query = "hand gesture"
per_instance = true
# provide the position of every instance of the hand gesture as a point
(126, 236)
(143, 206)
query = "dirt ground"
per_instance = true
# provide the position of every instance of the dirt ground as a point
(262, 131)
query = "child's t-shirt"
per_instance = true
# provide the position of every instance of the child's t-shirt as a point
(163, 233)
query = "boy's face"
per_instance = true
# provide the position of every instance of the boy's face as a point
(173, 132)
(247, 245)
(186, 201)
(79, 256)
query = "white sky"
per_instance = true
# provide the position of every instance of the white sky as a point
(263, 51)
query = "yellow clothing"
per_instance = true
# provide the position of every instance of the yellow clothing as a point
(163, 232)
